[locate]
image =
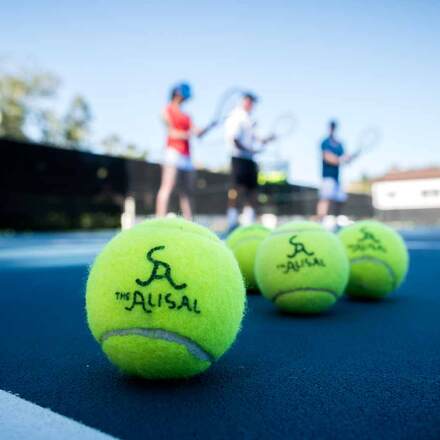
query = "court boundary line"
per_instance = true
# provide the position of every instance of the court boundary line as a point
(20, 418)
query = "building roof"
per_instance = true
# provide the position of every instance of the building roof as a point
(419, 173)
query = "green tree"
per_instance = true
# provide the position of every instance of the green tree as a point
(76, 123)
(27, 111)
(21, 95)
(133, 151)
(51, 127)
(115, 146)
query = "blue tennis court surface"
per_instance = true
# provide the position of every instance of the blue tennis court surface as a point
(365, 370)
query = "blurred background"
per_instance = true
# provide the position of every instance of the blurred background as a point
(82, 86)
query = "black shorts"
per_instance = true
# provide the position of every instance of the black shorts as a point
(244, 173)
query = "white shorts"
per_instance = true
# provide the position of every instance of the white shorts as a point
(331, 190)
(180, 161)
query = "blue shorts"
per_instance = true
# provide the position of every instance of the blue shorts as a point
(175, 159)
(332, 190)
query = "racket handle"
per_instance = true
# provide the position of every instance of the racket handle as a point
(352, 157)
(270, 138)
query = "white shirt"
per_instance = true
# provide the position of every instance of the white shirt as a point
(241, 127)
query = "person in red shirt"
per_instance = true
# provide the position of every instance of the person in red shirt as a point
(177, 168)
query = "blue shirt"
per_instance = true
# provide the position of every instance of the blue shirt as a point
(336, 148)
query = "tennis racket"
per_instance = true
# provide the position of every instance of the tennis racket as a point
(273, 167)
(228, 100)
(283, 126)
(368, 140)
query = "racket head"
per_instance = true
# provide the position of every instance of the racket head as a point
(368, 139)
(227, 101)
(284, 125)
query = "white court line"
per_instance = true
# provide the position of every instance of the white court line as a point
(423, 245)
(49, 256)
(20, 419)
(50, 250)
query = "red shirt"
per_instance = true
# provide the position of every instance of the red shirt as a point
(179, 121)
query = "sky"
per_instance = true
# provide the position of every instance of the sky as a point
(366, 64)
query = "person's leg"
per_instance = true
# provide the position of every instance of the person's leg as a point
(167, 184)
(322, 208)
(232, 212)
(250, 206)
(186, 185)
(185, 206)
(341, 199)
(251, 193)
(233, 194)
(326, 194)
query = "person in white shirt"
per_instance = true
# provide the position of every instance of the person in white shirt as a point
(244, 144)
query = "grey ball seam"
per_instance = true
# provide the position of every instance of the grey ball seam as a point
(165, 335)
(381, 262)
(305, 289)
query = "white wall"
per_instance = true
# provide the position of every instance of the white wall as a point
(407, 194)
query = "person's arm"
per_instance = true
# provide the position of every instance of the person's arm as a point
(261, 141)
(242, 147)
(330, 158)
(200, 132)
(333, 159)
(234, 134)
(265, 140)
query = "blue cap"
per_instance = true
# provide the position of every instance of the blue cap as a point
(250, 95)
(183, 89)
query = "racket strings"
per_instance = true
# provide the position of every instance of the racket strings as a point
(369, 139)
(227, 102)
(284, 125)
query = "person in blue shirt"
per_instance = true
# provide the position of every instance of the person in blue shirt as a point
(333, 156)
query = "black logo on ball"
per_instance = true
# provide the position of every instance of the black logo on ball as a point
(148, 301)
(367, 241)
(155, 273)
(298, 248)
(299, 258)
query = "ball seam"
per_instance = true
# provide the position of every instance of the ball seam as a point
(381, 262)
(165, 335)
(306, 289)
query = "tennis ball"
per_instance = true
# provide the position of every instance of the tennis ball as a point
(165, 299)
(302, 268)
(244, 242)
(378, 259)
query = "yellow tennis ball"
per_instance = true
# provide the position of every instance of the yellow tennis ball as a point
(302, 268)
(165, 299)
(244, 242)
(378, 258)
